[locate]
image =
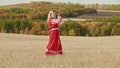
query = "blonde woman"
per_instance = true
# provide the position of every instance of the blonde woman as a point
(54, 45)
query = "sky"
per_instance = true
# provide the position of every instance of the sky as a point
(7, 2)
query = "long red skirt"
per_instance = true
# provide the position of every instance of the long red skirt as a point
(54, 46)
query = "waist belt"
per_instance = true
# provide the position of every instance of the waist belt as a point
(54, 29)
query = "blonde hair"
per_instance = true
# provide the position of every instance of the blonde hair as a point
(49, 15)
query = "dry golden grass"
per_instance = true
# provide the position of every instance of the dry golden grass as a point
(27, 51)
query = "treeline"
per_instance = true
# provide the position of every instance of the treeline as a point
(105, 27)
(113, 7)
(39, 10)
(23, 26)
(111, 19)
(98, 27)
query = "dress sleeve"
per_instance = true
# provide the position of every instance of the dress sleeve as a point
(56, 21)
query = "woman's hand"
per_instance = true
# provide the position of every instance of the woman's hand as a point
(59, 18)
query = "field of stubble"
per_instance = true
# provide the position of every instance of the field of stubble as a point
(27, 51)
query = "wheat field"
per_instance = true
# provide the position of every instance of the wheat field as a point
(27, 51)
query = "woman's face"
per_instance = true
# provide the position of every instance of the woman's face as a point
(54, 14)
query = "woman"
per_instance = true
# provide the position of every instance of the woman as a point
(54, 46)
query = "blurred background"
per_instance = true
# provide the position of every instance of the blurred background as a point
(80, 17)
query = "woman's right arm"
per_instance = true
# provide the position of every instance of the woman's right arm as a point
(56, 21)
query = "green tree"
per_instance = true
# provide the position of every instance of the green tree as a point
(70, 26)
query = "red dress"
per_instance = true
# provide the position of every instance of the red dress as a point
(54, 45)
